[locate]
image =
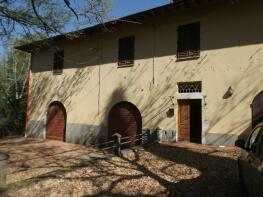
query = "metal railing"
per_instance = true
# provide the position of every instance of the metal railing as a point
(119, 142)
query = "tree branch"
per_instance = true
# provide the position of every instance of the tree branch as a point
(46, 26)
(67, 2)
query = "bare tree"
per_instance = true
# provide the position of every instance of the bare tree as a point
(49, 16)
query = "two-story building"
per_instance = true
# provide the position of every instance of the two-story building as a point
(190, 69)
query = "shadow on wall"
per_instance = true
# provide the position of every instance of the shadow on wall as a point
(251, 80)
(118, 95)
(94, 134)
(150, 99)
(44, 94)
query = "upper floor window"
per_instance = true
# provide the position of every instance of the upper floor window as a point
(188, 41)
(126, 51)
(58, 62)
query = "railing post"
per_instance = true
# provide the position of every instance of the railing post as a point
(117, 139)
(148, 133)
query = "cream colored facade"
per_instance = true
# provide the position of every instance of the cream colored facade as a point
(92, 83)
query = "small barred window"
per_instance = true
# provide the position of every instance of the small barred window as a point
(190, 87)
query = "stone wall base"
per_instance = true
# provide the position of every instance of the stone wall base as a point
(94, 134)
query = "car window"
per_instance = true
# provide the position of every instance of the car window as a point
(254, 137)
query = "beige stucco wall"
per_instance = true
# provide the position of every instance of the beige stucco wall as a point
(91, 83)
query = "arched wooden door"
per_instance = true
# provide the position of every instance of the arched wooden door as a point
(125, 118)
(257, 109)
(56, 121)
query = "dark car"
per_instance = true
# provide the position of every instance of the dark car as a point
(250, 163)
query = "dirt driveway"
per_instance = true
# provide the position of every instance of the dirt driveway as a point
(49, 168)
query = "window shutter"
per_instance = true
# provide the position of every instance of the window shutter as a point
(195, 37)
(58, 62)
(126, 51)
(188, 41)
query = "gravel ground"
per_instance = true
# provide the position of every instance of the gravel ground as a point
(49, 168)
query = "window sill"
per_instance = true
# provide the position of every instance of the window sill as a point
(125, 65)
(57, 73)
(187, 58)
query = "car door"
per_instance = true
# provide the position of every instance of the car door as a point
(258, 163)
(249, 162)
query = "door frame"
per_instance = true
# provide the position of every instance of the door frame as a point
(191, 96)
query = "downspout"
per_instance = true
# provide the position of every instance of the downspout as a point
(101, 44)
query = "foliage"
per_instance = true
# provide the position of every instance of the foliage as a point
(49, 16)
(13, 91)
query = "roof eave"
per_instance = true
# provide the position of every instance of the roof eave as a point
(133, 17)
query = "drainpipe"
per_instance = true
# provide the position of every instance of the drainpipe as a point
(154, 53)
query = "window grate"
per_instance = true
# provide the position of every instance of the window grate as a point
(188, 41)
(190, 87)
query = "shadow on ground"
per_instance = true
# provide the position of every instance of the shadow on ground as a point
(46, 168)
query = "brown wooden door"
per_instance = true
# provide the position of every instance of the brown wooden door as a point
(184, 120)
(56, 122)
(125, 119)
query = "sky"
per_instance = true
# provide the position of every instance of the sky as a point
(119, 9)
(126, 7)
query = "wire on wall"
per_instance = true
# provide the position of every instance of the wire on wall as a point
(154, 45)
